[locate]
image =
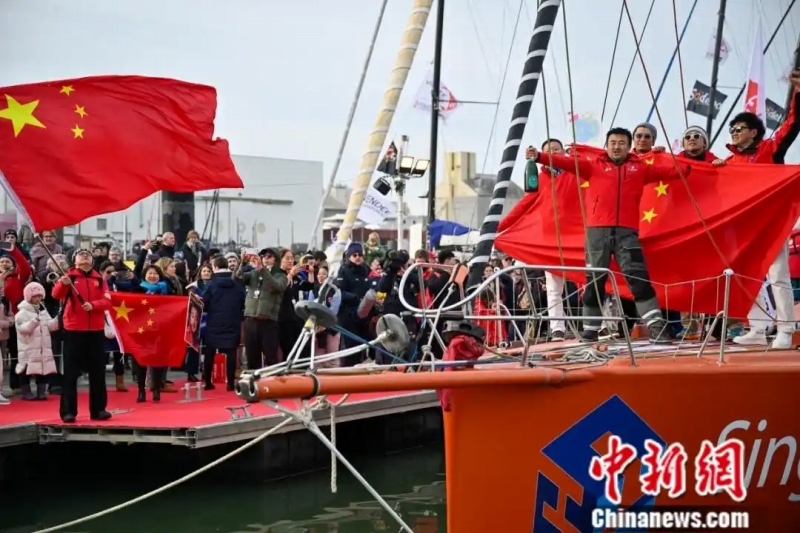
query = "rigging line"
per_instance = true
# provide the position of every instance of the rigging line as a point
(502, 86)
(596, 285)
(633, 59)
(478, 38)
(741, 90)
(555, 71)
(349, 124)
(679, 38)
(611, 67)
(675, 162)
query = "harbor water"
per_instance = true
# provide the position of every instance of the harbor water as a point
(412, 482)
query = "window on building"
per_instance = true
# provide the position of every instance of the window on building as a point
(102, 224)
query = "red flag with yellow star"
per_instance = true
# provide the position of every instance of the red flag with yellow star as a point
(150, 327)
(747, 213)
(77, 148)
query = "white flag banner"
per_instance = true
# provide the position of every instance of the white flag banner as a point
(447, 101)
(377, 207)
(724, 49)
(755, 100)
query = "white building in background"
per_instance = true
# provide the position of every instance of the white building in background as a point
(277, 207)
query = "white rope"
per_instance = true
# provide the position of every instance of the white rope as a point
(320, 403)
(334, 462)
(585, 354)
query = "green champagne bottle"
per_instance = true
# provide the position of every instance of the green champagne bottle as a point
(531, 176)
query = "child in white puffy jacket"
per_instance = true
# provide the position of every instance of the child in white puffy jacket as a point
(34, 324)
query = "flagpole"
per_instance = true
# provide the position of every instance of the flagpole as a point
(534, 61)
(671, 61)
(741, 91)
(397, 81)
(435, 92)
(312, 243)
(723, 4)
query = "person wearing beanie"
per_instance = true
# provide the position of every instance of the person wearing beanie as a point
(617, 180)
(749, 146)
(644, 138)
(695, 145)
(15, 271)
(265, 288)
(353, 282)
(34, 325)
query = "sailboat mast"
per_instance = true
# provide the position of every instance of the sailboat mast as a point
(534, 61)
(723, 4)
(435, 92)
(397, 81)
(741, 91)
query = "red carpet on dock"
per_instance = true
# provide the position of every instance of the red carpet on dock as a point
(171, 412)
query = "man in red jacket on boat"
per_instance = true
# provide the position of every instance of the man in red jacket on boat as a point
(695, 145)
(616, 179)
(749, 146)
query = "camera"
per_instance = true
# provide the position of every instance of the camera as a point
(395, 259)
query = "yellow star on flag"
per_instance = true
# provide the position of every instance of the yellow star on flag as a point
(144, 302)
(78, 132)
(20, 115)
(67, 89)
(149, 322)
(140, 330)
(661, 189)
(122, 311)
(585, 184)
(81, 110)
(650, 161)
(649, 215)
(151, 311)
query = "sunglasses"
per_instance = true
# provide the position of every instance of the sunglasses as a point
(108, 272)
(736, 129)
(691, 137)
(643, 136)
(356, 255)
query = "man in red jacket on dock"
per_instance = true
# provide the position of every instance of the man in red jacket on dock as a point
(612, 225)
(86, 298)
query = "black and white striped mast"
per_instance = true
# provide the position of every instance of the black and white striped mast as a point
(534, 61)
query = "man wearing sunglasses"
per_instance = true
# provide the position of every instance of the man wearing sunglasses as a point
(749, 146)
(695, 145)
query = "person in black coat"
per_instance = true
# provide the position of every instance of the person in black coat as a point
(353, 282)
(223, 303)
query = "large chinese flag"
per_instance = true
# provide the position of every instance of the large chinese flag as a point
(747, 213)
(150, 327)
(77, 148)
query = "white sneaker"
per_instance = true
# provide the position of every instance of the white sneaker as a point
(4, 400)
(752, 338)
(782, 341)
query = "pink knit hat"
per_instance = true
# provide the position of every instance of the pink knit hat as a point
(31, 290)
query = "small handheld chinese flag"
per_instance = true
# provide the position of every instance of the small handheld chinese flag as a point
(105, 143)
(150, 327)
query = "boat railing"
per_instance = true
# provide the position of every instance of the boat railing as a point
(433, 316)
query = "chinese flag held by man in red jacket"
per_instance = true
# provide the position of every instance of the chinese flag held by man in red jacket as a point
(77, 148)
(734, 216)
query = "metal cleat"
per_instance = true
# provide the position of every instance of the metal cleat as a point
(187, 392)
(239, 412)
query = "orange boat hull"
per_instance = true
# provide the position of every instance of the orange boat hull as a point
(518, 456)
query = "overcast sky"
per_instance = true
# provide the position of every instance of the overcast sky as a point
(286, 72)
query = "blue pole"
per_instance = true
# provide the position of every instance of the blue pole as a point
(672, 60)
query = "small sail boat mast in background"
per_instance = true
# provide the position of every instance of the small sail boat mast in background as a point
(715, 68)
(397, 81)
(534, 61)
